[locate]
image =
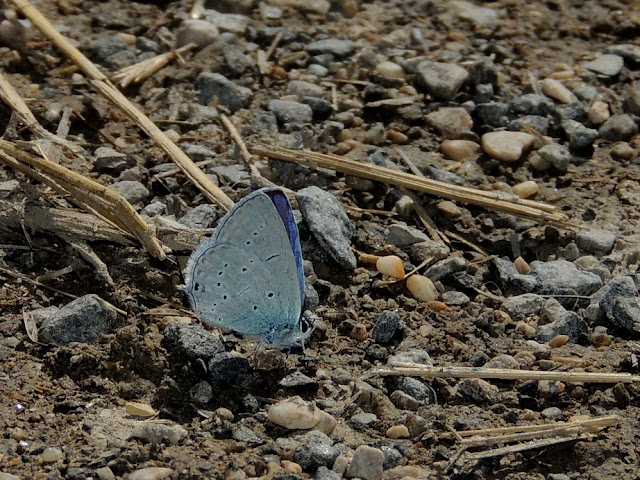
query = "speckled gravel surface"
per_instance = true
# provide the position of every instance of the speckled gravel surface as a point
(536, 99)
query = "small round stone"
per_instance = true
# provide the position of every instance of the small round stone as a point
(598, 112)
(552, 413)
(556, 90)
(449, 209)
(366, 464)
(294, 414)
(526, 189)
(359, 332)
(507, 146)
(558, 341)
(389, 70)
(291, 467)
(422, 288)
(556, 155)
(51, 454)
(451, 122)
(397, 431)
(526, 329)
(522, 266)
(460, 150)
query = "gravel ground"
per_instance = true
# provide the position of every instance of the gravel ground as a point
(535, 99)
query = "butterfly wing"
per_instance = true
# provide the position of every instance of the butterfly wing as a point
(245, 277)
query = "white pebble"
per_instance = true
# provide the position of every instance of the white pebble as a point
(554, 89)
(152, 473)
(526, 189)
(389, 70)
(422, 288)
(294, 414)
(507, 146)
(599, 112)
(390, 265)
(51, 454)
(460, 150)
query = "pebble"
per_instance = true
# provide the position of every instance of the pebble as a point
(226, 92)
(293, 414)
(551, 413)
(580, 137)
(560, 277)
(450, 298)
(608, 65)
(397, 431)
(200, 32)
(422, 288)
(416, 389)
(359, 332)
(526, 189)
(445, 267)
(402, 235)
(451, 122)
(364, 419)
(618, 128)
(492, 113)
(390, 265)
(111, 161)
(304, 89)
(104, 473)
(558, 341)
(628, 51)
(507, 146)
(449, 209)
(329, 224)
(404, 401)
(441, 80)
(503, 361)
(154, 432)
(132, 190)
(555, 155)
(598, 112)
(385, 327)
(287, 111)
(631, 101)
(152, 473)
(323, 473)
(225, 367)
(556, 90)
(623, 151)
(139, 409)
(366, 464)
(200, 217)
(234, 174)
(483, 17)
(460, 150)
(338, 48)
(192, 341)
(389, 70)
(51, 454)
(291, 467)
(531, 104)
(315, 451)
(424, 249)
(522, 266)
(569, 324)
(82, 320)
(478, 390)
(596, 240)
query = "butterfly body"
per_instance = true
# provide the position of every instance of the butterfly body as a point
(247, 277)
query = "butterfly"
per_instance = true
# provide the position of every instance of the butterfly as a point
(247, 277)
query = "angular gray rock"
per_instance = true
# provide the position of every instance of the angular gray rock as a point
(228, 93)
(333, 46)
(570, 324)
(596, 240)
(328, 223)
(520, 307)
(193, 341)
(366, 464)
(442, 80)
(82, 320)
(287, 111)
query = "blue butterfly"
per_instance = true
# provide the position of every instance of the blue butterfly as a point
(247, 277)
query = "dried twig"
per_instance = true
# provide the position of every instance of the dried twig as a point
(99, 81)
(141, 71)
(430, 371)
(24, 278)
(495, 201)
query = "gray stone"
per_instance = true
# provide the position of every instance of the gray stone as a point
(570, 111)
(328, 223)
(404, 401)
(541, 124)
(429, 248)
(233, 174)
(596, 240)
(336, 47)
(320, 107)
(455, 299)
(225, 367)
(478, 390)
(237, 62)
(416, 389)
(551, 413)
(509, 279)
(147, 473)
(520, 307)
(451, 122)
(201, 392)
(531, 104)
(503, 361)
(632, 98)
(132, 190)
(625, 313)
(201, 216)
(492, 113)
(228, 94)
(402, 235)
(197, 153)
(482, 17)
(621, 287)
(392, 457)
(580, 137)
(111, 161)
(193, 341)
(244, 434)
(553, 310)
(442, 175)
(484, 92)
(304, 89)
(287, 111)
(557, 155)
(315, 451)
(200, 32)
(82, 320)
(385, 327)
(323, 473)
(154, 209)
(317, 70)
(441, 80)
(570, 324)
(8, 476)
(364, 419)
(367, 464)
(445, 267)
(608, 65)
(153, 432)
(560, 277)
(618, 128)
(101, 49)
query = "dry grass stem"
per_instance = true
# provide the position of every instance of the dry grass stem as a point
(24, 278)
(141, 71)
(431, 371)
(491, 200)
(101, 83)
(105, 201)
